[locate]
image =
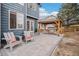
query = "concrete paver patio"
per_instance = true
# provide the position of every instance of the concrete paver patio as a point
(43, 45)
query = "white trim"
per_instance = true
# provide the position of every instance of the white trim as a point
(26, 25)
(31, 25)
(23, 21)
(30, 20)
(9, 19)
(16, 24)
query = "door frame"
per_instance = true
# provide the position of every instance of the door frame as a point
(30, 25)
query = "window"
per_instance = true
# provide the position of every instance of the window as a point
(29, 5)
(16, 20)
(32, 26)
(12, 20)
(33, 6)
(20, 20)
(28, 25)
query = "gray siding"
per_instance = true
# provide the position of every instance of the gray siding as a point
(4, 16)
(5, 7)
(0, 22)
(33, 13)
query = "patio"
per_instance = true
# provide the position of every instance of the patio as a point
(43, 45)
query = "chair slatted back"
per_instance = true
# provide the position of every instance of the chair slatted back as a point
(26, 33)
(12, 36)
(6, 36)
(9, 36)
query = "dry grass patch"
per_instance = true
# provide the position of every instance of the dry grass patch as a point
(69, 46)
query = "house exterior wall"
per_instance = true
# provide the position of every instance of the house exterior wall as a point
(16, 7)
(0, 22)
(33, 10)
(34, 24)
(5, 7)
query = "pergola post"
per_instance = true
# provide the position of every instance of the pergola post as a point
(59, 26)
(57, 23)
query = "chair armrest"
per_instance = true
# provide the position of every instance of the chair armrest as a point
(7, 41)
(3, 39)
(20, 37)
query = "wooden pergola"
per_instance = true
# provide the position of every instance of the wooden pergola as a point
(57, 22)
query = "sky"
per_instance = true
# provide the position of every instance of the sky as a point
(48, 9)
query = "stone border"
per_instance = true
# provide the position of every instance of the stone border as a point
(54, 50)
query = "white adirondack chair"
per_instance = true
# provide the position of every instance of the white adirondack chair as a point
(11, 40)
(28, 35)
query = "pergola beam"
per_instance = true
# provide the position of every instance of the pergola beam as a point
(57, 22)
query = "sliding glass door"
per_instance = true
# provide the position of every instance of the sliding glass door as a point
(30, 25)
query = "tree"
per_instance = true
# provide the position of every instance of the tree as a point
(69, 11)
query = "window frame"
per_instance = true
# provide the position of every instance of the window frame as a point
(22, 24)
(30, 25)
(27, 21)
(32, 7)
(9, 11)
